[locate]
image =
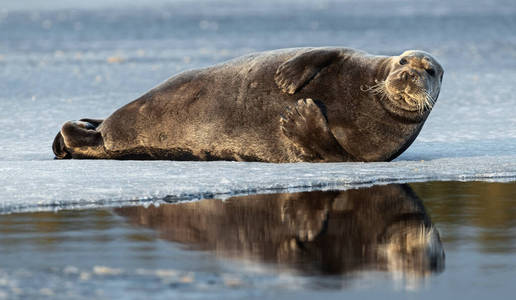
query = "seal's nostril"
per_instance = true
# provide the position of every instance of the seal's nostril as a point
(408, 75)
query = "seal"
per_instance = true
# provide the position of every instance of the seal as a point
(287, 105)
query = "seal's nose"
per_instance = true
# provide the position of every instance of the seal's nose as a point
(408, 74)
(404, 75)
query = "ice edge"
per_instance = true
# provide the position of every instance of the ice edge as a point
(195, 196)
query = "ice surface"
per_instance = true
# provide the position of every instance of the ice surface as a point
(63, 61)
(47, 185)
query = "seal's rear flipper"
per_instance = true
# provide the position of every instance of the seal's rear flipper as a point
(76, 134)
(93, 122)
(59, 148)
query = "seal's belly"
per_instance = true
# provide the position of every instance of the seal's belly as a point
(372, 143)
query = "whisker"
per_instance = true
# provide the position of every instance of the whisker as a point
(422, 100)
(377, 89)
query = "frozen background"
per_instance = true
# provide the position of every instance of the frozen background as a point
(65, 60)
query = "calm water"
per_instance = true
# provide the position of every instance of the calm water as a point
(425, 240)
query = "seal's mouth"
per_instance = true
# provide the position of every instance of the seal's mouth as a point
(419, 101)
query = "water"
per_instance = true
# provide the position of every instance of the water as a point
(333, 244)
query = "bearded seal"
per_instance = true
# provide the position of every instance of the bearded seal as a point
(288, 105)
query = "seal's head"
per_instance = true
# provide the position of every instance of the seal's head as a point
(412, 84)
(414, 81)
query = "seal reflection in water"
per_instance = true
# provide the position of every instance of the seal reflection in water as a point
(378, 228)
(289, 105)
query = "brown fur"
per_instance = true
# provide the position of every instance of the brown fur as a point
(306, 104)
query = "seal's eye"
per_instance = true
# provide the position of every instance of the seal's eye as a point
(403, 61)
(431, 72)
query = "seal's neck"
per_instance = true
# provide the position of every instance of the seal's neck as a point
(380, 68)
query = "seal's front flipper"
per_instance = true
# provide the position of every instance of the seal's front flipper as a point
(77, 139)
(306, 126)
(296, 72)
